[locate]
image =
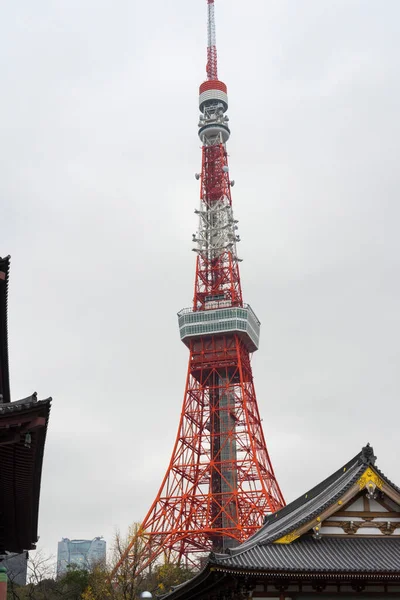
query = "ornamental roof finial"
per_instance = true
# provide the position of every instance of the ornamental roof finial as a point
(367, 455)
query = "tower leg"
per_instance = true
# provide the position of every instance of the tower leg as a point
(220, 483)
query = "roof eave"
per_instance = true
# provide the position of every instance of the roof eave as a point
(286, 574)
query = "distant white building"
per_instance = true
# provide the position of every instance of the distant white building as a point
(79, 553)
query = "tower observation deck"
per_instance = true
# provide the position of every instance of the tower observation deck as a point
(239, 320)
(220, 483)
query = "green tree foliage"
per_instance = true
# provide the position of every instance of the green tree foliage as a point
(72, 585)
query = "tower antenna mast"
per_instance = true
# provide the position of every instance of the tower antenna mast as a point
(212, 57)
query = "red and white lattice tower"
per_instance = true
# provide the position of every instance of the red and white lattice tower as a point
(220, 483)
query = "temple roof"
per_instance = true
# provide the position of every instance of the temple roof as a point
(23, 428)
(4, 371)
(312, 503)
(343, 555)
(284, 541)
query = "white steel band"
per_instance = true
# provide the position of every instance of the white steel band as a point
(213, 95)
(212, 41)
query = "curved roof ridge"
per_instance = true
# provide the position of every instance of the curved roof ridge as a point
(287, 518)
(308, 506)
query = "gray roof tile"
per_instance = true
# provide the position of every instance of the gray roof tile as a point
(351, 555)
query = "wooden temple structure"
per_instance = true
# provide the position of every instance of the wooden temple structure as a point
(339, 539)
(23, 426)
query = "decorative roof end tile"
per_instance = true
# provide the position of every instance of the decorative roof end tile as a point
(367, 456)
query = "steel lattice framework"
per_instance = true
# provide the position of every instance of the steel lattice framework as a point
(220, 483)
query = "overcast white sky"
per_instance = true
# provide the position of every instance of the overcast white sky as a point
(99, 147)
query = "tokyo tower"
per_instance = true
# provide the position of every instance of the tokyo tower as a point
(220, 483)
